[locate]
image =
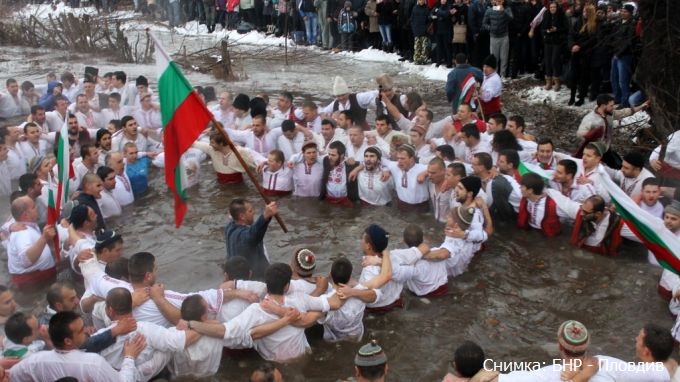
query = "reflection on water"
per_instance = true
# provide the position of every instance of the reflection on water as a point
(510, 301)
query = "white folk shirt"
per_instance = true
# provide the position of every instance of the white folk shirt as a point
(307, 178)
(81, 170)
(401, 273)
(123, 190)
(427, 277)
(236, 306)
(406, 183)
(28, 151)
(372, 189)
(109, 205)
(339, 135)
(491, 87)
(461, 252)
(87, 242)
(19, 242)
(11, 106)
(364, 99)
(200, 360)
(241, 123)
(287, 343)
(469, 152)
(425, 154)
(90, 120)
(5, 179)
(279, 116)
(594, 177)
(281, 180)
(576, 192)
(143, 144)
(337, 182)
(346, 323)
(440, 202)
(225, 117)
(161, 343)
(55, 364)
(262, 144)
(110, 114)
(672, 157)
(290, 147)
(536, 211)
(16, 161)
(631, 186)
(149, 119)
(358, 152)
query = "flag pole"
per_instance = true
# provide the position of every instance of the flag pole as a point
(249, 172)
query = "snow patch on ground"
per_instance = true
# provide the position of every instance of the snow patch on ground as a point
(44, 11)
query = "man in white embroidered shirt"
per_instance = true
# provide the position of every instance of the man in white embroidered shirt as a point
(373, 189)
(412, 194)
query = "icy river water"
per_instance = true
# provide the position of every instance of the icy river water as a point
(511, 301)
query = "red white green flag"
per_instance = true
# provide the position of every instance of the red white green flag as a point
(184, 117)
(65, 173)
(467, 91)
(654, 235)
(526, 167)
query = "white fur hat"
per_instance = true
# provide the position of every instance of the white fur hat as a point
(340, 86)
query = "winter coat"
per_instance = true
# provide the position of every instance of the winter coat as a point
(586, 42)
(476, 13)
(497, 22)
(404, 15)
(521, 21)
(559, 21)
(386, 10)
(461, 15)
(623, 38)
(419, 18)
(347, 22)
(441, 14)
(370, 11)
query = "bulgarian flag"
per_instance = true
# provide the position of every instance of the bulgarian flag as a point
(654, 235)
(525, 168)
(65, 173)
(184, 117)
(467, 90)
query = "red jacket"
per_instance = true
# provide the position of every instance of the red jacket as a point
(608, 246)
(550, 225)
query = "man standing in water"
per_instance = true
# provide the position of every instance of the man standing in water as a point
(244, 234)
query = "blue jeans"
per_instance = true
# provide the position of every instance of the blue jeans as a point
(620, 77)
(310, 27)
(386, 33)
(174, 13)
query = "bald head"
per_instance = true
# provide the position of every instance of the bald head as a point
(115, 161)
(21, 209)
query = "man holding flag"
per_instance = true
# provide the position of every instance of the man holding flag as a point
(462, 82)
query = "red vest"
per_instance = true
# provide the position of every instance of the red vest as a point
(602, 248)
(550, 225)
(293, 117)
(491, 107)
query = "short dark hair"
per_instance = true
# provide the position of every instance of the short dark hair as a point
(278, 155)
(651, 181)
(119, 300)
(341, 270)
(533, 182)
(458, 169)
(30, 124)
(59, 329)
(277, 276)
(119, 268)
(339, 146)
(54, 294)
(192, 308)
(484, 159)
(287, 95)
(593, 146)
(10, 81)
(140, 264)
(659, 341)
(287, 126)
(237, 268)
(104, 171)
(383, 118)
(570, 167)
(120, 75)
(36, 108)
(604, 99)
(413, 235)
(16, 327)
(469, 359)
(519, 120)
(372, 372)
(237, 207)
(85, 149)
(504, 139)
(348, 115)
(545, 141)
(461, 58)
(115, 95)
(470, 130)
(511, 156)
(218, 138)
(447, 152)
(27, 181)
(598, 203)
(500, 119)
(125, 120)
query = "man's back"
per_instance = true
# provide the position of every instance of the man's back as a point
(52, 365)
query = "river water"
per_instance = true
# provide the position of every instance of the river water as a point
(511, 301)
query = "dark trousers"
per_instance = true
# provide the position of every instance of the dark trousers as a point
(552, 60)
(443, 48)
(580, 76)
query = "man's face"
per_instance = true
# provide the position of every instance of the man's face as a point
(370, 161)
(290, 134)
(258, 127)
(436, 173)
(310, 155)
(225, 101)
(525, 191)
(356, 137)
(61, 106)
(309, 114)
(110, 181)
(105, 142)
(73, 126)
(628, 170)
(625, 15)
(342, 98)
(560, 175)
(142, 89)
(416, 138)
(31, 213)
(114, 104)
(513, 128)
(588, 212)
(609, 109)
(640, 348)
(421, 118)
(404, 161)
(114, 253)
(334, 157)
(342, 121)
(78, 335)
(545, 152)
(95, 189)
(89, 88)
(382, 127)
(327, 132)
(671, 221)
(32, 323)
(248, 215)
(13, 88)
(504, 166)
(116, 163)
(651, 194)
(461, 193)
(33, 134)
(464, 113)
(477, 167)
(82, 105)
(36, 190)
(590, 158)
(493, 127)
(39, 116)
(283, 103)
(273, 163)
(450, 178)
(131, 154)
(146, 102)
(93, 155)
(14, 133)
(7, 304)
(69, 300)
(117, 83)
(131, 127)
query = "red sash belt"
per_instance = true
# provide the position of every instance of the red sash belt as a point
(236, 177)
(397, 304)
(35, 277)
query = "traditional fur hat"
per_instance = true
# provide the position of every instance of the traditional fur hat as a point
(340, 86)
